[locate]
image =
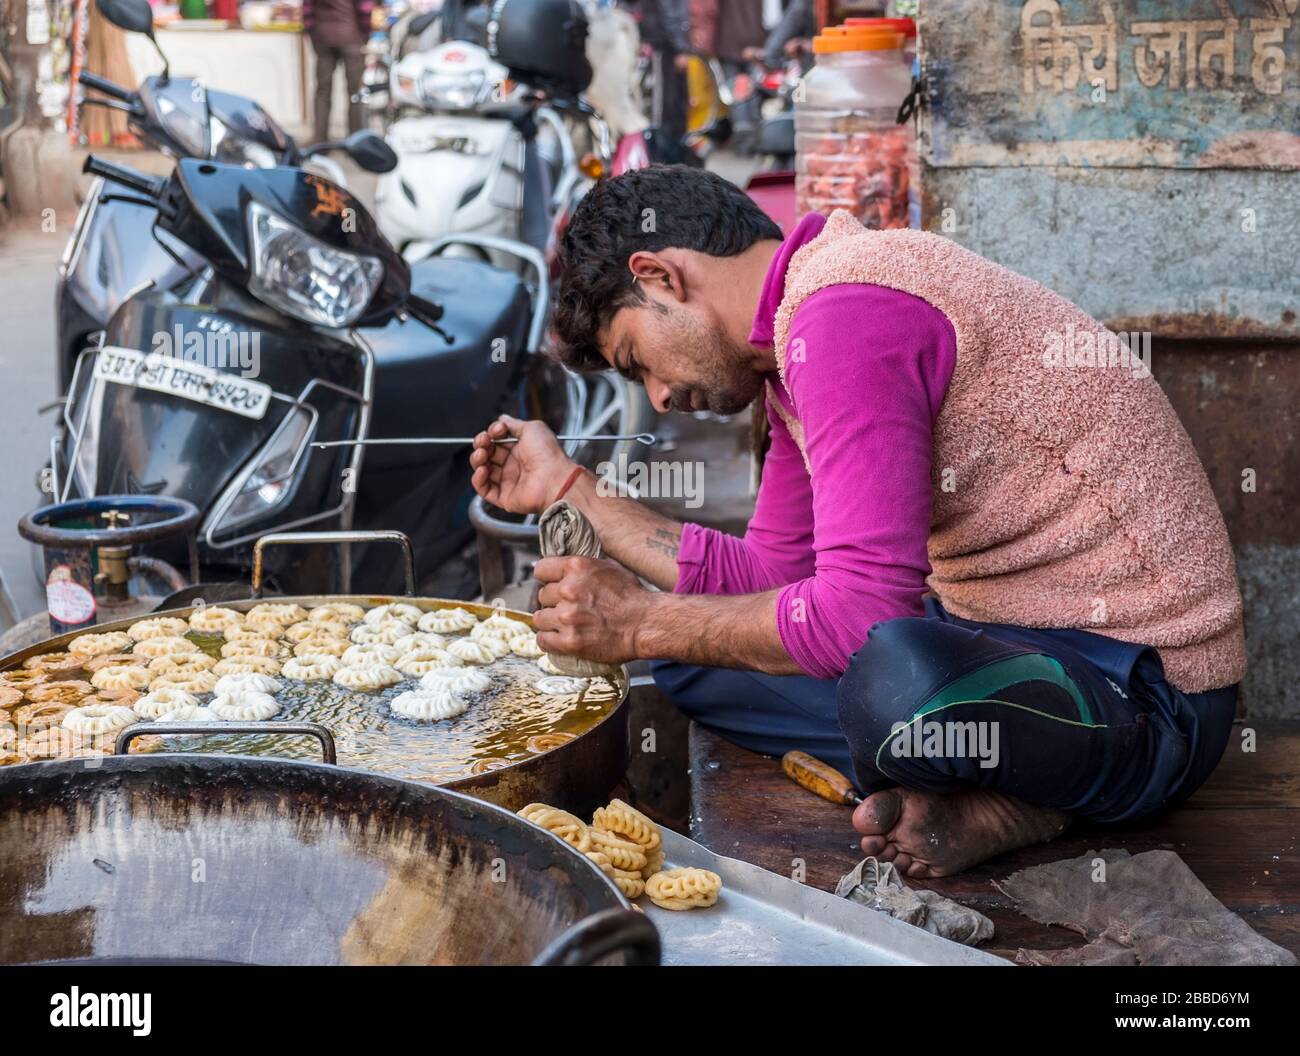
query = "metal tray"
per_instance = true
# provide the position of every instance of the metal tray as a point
(762, 918)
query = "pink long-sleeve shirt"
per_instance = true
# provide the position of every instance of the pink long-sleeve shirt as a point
(844, 535)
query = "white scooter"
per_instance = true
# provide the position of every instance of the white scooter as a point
(461, 154)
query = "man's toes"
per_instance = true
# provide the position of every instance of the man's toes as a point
(888, 853)
(873, 845)
(902, 862)
(878, 813)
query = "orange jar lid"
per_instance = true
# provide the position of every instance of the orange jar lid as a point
(841, 38)
(905, 26)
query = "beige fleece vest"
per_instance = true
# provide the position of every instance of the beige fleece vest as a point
(1066, 494)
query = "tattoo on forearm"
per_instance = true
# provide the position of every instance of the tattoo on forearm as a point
(665, 541)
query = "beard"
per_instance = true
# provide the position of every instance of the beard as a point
(722, 378)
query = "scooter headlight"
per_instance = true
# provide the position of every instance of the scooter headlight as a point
(303, 277)
(458, 91)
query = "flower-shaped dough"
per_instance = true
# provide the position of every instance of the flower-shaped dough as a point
(624, 853)
(525, 645)
(618, 817)
(244, 705)
(428, 705)
(158, 627)
(278, 613)
(375, 676)
(548, 667)
(122, 676)
(253, 647)
(164, 645)
(181, 663)
(314, 667)
(214, 619)
(99, 719)
(419, 640)
(401, 610)
(336, 611)
(471, 652)
(62, 664)
(241, 665)
(421, 661)
(457, 679)
(254, 633)
(159, 702)
(367, 655)
(189, 681)
(386, 632)
(247, 680)
(94, 644)
(66, 691)
(330, 646)
(447, 621)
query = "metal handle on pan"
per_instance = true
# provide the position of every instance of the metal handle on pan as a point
(308, 729)
(308, 538)
(610, 931)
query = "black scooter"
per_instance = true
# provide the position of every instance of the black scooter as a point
(301, 326)
(113, 250)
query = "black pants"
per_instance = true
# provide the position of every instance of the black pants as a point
(328, 56)
(1064, 719)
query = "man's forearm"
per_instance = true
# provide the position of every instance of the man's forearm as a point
(715, 631)
(630, 533)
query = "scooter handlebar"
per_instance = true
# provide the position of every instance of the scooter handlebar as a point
(150, 186)
(102, 84)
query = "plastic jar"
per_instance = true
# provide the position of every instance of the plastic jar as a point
(850, 152)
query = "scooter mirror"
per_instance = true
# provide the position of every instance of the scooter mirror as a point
(369, 150)
(134, 16)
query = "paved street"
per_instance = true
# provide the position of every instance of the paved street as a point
(29, 261)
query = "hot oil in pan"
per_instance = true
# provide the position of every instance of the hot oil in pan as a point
(497, 726)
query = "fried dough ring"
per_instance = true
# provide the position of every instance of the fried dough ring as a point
(164, 645)
(627, 821)
(162, 701)
(548, 742)
(369, 679)
(270, 647)
(331, 611)
(190, 682)
(319, 645)
(244, 706)
(422, 661)
(242, 665)
(123, 676)
(686, 888)
(94, 644)
(103, 660)
(571, 829)
(72, 691)
(447, 621)
(33, 717)
(99, 719)
(215, 619)
(158, 627)
(623, 853)
(630, 883)
(57, 665)
(22, 679)
(311, 667)
(10, 697)
(181, 664)
(470, 651)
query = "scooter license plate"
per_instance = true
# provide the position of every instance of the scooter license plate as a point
(174, 376)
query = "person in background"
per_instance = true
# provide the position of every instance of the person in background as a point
(790, 37)
(740, 27)
(338, 30)
(665, 26)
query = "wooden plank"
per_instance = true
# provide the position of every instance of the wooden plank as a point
(1240, 834)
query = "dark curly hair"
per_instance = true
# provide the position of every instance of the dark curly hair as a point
(647, 209)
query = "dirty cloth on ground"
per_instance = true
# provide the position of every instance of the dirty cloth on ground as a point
(877, 885)
(1150, 908)
(564, 531)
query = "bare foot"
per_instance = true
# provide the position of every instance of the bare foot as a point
(927, 834)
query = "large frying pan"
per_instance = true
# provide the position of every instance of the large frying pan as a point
(171, 859)
(579, 774)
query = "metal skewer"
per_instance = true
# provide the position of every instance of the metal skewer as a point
(649, 439)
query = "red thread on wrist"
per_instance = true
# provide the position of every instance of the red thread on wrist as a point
(564, 489)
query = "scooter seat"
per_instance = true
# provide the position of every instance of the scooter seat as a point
(426, 385)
